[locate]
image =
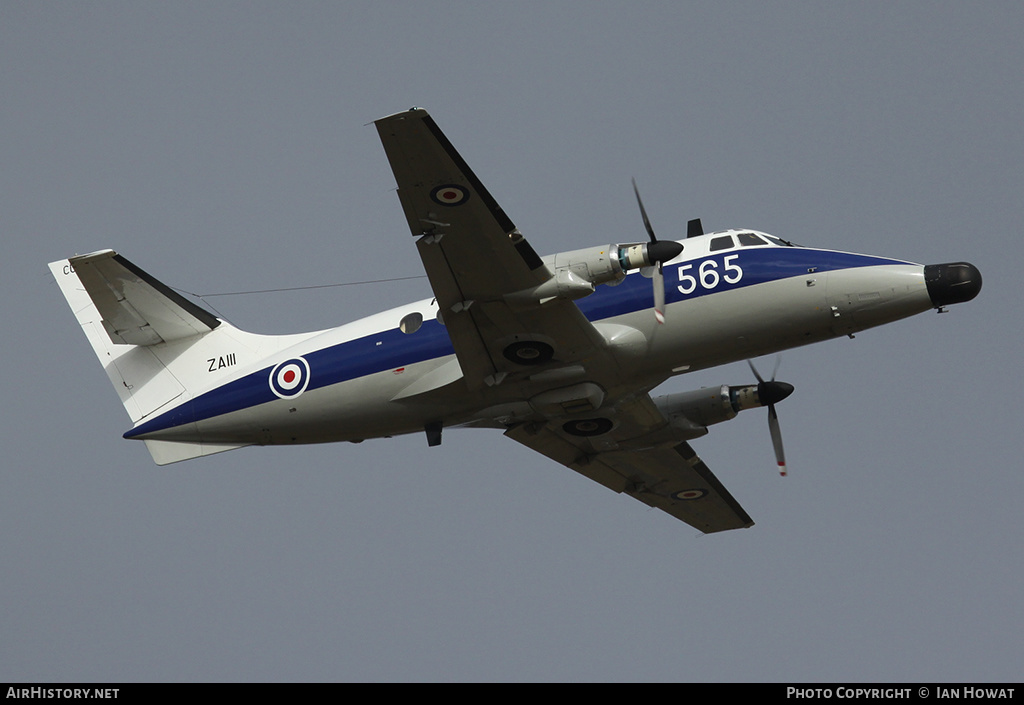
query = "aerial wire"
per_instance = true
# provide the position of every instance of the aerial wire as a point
(303, 288)
(203, 297)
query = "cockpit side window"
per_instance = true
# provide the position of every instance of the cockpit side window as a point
(750, 240)
(721, 243)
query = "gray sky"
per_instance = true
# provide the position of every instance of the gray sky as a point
(223, 146)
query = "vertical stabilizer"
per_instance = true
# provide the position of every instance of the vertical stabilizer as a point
(101, 291)
(158, 348)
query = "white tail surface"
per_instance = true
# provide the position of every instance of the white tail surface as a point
(158, 348)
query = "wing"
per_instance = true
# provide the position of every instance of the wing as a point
(509, 316)
(505, 310)
(641, 457)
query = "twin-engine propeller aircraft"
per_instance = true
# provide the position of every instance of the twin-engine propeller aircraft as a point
(559, 352)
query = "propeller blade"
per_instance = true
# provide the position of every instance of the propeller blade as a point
(643, 213)
(776, 433)
(754, 370)
(769, 394)
(657, 252)
(775, 370)
(658, 281)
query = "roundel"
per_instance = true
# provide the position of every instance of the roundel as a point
(529, 352)
(450, 195)
(690, 494)
(588, 427)
(290, 378)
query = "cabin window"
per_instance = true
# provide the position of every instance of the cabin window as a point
(721, 243)
(750, 240)
(411, 323)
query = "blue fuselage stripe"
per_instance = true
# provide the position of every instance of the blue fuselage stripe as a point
(391, 349)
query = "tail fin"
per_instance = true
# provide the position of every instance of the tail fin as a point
(158, 348)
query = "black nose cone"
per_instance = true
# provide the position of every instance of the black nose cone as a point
(952, 283)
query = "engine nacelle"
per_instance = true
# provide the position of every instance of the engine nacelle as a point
(711, 405)
(607, 264)
(701, 407)
(597, 265)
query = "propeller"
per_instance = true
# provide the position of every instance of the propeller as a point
(770, 393)
(657, 252)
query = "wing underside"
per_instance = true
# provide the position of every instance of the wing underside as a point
(669, 476)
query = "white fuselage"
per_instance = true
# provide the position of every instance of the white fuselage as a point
(370, 379)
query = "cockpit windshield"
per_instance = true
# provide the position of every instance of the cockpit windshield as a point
(750, 240)
(729, 239)
(779, 241)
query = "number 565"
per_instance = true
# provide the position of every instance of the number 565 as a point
(708, 276)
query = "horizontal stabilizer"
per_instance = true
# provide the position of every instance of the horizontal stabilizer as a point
(136, 308)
